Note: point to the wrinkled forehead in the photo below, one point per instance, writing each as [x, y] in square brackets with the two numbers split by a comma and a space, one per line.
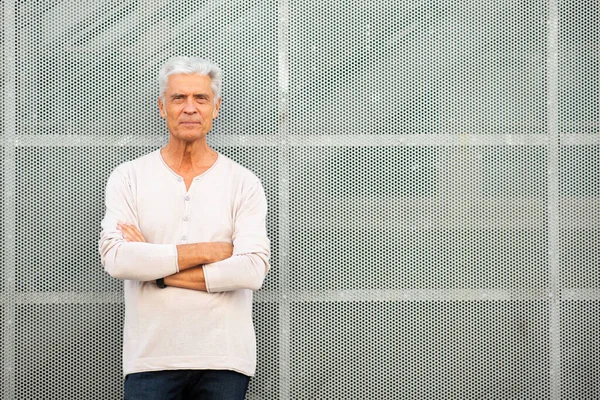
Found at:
[190, 83]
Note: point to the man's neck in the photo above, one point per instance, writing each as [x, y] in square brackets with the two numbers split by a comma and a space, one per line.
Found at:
[188, 159]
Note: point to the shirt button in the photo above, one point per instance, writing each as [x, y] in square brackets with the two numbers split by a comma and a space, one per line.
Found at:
[187, 198]
[183, 238]
[185, 218]
[180, 179]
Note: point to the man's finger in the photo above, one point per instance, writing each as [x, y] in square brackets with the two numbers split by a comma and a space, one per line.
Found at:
[134, 234]
[130, 233]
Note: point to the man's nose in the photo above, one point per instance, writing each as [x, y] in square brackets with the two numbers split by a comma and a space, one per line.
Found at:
[189, 106]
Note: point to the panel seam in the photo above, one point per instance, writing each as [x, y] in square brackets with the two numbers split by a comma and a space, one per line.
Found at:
[284, 217]
[553, 199]
[9, 126]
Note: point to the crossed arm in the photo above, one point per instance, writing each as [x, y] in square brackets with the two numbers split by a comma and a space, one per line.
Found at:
[190, 258]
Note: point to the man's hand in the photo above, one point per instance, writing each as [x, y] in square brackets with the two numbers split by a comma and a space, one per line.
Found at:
[130, 233]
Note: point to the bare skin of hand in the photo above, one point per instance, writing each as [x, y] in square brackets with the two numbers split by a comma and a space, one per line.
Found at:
[130, 233]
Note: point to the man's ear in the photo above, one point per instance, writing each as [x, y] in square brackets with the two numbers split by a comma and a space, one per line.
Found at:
[216, 110]
[161, 108]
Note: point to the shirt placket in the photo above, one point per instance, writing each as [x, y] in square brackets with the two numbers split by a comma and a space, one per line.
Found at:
[185, 231]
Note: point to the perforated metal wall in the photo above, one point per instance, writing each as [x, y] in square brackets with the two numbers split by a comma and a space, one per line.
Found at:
[432, 171]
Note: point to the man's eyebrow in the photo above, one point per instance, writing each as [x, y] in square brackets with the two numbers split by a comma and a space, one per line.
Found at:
[197, 95]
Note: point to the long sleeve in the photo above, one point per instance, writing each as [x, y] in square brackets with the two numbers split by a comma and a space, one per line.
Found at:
[248, 266]
[132, 261]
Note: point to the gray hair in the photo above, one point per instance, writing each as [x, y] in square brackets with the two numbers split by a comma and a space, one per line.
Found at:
[189, 66]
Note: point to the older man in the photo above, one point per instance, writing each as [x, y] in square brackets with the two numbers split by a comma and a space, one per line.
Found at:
[185, 229]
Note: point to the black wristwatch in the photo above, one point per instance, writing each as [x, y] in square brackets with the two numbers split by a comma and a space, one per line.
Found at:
[161, 283]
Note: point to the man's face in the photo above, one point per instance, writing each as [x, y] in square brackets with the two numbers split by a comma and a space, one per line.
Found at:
[189, 107]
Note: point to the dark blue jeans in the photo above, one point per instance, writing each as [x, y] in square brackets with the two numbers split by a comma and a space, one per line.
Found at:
[186, 385]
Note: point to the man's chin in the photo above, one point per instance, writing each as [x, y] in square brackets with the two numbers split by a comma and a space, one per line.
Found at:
[189, 136]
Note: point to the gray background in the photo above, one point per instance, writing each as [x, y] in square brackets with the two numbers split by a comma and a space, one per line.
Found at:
[431, 169]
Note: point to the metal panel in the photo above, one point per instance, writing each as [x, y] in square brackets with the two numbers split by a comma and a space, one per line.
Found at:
[423, 350]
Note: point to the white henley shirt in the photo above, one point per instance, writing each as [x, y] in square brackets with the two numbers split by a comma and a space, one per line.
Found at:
[175, 328]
